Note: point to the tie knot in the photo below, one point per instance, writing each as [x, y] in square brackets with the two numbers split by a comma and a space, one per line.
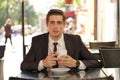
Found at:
[55, 43]
[55, 46]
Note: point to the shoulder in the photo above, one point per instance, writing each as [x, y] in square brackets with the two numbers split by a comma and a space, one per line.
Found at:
[41, 36]
[72, 36]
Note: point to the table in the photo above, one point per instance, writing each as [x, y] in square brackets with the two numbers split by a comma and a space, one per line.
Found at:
[96, 53]
[115, 72]
[93, 74]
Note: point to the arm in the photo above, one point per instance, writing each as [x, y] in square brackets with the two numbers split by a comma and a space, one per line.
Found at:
[31, 61]
[78, 51]
[87, 58]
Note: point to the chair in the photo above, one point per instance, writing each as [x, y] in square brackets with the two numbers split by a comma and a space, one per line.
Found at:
[97, 45]
[110, 57]
[2, 49]
[17, 78]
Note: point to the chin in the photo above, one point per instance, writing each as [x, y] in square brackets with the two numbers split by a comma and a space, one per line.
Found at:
[56, 35]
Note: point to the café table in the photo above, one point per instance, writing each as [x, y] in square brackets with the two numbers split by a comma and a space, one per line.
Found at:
[96, 53]
[91, 74]
[115, 72]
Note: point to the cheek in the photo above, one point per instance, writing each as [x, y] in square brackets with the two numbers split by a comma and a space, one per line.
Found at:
[62, 28]
[49, 28]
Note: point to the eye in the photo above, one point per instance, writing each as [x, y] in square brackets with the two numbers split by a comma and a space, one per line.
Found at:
[52, 22]
[59, 22]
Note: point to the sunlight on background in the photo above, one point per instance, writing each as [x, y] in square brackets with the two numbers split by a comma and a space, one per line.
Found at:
[42, 5]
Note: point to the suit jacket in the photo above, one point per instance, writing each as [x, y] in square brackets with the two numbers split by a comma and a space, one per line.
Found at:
[74, 45]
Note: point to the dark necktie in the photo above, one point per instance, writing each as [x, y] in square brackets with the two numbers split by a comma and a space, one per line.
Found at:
[55, 46]
[55, 50]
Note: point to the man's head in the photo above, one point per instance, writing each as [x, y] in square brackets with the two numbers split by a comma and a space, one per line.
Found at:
[55, 22]
[55, 12]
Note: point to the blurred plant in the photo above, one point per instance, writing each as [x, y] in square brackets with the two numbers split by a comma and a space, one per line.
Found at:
[77, 2]
[61, 4]
[12, 9]
[3, 14]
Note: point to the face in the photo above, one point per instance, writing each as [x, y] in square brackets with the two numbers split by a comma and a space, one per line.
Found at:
[55, 26]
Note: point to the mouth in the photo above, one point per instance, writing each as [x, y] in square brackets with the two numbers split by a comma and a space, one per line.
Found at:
[55, 32]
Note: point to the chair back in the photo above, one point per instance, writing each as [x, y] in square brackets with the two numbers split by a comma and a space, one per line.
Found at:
[17, 78]
[97, 45]
[2, 49]
[110, 57]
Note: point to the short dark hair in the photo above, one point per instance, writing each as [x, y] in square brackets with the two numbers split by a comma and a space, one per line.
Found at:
[55, 12]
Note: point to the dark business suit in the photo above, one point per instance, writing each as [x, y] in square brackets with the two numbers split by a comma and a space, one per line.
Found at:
[74, 46]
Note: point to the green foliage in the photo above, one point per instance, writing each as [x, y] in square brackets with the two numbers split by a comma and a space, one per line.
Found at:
[13, 11]
[61, 4]
[30, 15]
[77, 2]
[3, 14]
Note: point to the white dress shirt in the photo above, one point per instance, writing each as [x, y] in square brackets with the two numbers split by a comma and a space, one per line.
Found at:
[61, 50]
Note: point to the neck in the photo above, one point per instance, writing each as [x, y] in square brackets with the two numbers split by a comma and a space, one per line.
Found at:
[56, 38]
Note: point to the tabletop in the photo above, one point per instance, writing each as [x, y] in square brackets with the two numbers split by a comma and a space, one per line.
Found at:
[115, 72]
[93, 74]
[94, 51]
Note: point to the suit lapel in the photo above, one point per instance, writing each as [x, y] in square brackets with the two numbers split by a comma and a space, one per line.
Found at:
[45, 45]
[68, 44]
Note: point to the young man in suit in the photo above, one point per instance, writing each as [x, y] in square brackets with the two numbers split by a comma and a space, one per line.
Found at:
[71, 52]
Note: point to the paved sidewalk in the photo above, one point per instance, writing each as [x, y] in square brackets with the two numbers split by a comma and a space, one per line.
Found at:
[12, 57]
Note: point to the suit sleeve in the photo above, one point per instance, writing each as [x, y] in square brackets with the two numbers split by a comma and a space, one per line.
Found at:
[30, 62]
[87, 58]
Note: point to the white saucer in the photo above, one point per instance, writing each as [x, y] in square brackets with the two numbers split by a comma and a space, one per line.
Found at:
[59, 70]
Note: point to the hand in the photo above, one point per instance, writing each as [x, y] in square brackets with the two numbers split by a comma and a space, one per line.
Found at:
[50, 60]
[67, 60]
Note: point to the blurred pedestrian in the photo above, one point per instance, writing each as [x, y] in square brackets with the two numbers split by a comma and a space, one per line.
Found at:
[8, 31]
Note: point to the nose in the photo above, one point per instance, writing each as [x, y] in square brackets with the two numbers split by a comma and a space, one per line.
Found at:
[55, 25]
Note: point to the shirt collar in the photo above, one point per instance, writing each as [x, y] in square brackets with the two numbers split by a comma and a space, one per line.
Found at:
[60, 41]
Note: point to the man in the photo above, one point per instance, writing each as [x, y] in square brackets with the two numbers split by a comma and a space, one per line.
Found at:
[70, 53]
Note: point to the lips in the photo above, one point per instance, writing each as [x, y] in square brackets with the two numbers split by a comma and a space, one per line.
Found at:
[55, 31]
